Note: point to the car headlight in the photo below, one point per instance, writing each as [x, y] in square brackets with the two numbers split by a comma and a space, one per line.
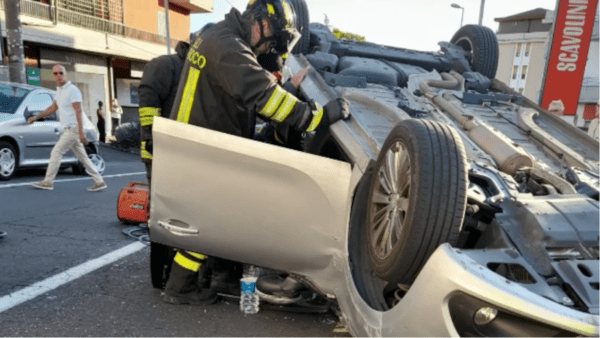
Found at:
[474, 317]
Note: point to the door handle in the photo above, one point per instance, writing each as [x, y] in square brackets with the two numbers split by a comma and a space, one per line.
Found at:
[56, 130]
[181, 229]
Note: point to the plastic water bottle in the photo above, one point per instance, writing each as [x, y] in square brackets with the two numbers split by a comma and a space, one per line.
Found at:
[249, 298]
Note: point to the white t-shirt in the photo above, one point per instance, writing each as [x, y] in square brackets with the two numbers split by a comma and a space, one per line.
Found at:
[65, 97]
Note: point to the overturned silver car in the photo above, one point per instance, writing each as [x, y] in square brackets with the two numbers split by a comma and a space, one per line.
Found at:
[447, 205]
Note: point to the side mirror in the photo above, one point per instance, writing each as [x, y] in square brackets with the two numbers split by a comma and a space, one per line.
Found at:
[27, 114]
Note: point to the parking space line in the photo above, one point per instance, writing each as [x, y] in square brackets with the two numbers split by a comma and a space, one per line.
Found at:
[70, 180]
[9, 301]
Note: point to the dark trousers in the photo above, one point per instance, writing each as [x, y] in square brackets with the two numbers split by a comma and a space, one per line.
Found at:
[102, 129]
[115, 124]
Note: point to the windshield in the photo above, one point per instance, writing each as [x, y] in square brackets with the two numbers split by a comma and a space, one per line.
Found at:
[11, 97]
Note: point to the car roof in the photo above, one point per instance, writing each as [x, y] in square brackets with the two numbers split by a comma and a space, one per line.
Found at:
[23, 86]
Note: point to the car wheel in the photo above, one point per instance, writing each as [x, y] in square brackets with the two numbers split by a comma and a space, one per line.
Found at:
[302, 25]
[482, 44]
[97, 161]
[417, 198]
[161, 257]
[8, 161]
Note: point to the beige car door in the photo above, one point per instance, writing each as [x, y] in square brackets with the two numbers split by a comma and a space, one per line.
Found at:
[248, 201]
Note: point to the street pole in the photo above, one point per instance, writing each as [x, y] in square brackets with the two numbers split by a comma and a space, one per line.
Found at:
[14, 42]
[481, 12]
[167, 23]
[462, 13]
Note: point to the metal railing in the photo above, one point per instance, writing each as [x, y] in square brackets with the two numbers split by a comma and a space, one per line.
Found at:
[89, 22]
[35, 9]
[74, 13]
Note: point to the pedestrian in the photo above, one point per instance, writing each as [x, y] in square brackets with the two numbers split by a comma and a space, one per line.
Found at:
[68, 105]
[224, 88]
[101, 123]
[115, 113]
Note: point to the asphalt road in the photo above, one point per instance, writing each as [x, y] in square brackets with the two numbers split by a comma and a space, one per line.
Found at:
[63, 271]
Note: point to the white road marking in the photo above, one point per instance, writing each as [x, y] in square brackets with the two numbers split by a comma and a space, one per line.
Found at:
[2, 186]
[49, 284]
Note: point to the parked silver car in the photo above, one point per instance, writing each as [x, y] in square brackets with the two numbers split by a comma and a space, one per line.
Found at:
[25, 146]
[446, 205]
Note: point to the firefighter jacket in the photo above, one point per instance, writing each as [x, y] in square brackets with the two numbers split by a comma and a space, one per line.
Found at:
[157, 92]
[223, 86]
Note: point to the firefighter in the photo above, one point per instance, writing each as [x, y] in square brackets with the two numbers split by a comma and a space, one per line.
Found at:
[223, 88]
[157, 92]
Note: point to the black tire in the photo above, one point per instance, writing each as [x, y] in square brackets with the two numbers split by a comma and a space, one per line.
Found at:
[425, 203]
[302, 25]
[482, 43]
[161, 257]
[78, 168]
[9, 161]
[128, 135]
[369, 286]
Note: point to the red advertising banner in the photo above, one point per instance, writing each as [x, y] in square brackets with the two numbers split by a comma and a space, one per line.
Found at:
[568, 55]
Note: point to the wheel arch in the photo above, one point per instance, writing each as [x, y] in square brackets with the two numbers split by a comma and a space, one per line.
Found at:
[13, 142]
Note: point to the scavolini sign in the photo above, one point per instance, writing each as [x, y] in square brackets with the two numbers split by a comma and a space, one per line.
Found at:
[573, 28]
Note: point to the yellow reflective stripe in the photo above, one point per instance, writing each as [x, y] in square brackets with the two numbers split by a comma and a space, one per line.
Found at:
[187, 100]
[274, 102]
[197, 255]
[317, 116]
[286, 108]
[277, 138]
[149, 111]
[146, 121]
[271, 9]
[144, 153]
[186, 263]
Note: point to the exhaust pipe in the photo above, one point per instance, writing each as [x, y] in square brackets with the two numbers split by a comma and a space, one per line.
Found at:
[509, 157]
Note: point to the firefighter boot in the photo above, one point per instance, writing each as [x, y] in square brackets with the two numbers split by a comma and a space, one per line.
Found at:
[225, 279]
[182, 288]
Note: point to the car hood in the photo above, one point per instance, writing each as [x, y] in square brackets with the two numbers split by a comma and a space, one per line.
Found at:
[4, 117]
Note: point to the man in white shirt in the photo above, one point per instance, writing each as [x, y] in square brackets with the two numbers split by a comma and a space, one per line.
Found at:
[68, 103]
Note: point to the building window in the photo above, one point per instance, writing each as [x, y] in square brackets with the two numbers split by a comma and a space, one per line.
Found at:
[524, 73]
[528, 49]
[518, 50]
[515, 71]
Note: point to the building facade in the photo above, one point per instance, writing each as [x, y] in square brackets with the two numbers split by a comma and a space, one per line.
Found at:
[103, 44]
[524, 44]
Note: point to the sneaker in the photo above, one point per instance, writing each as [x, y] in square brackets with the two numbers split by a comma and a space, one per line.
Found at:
[43, 185]
[97, 186]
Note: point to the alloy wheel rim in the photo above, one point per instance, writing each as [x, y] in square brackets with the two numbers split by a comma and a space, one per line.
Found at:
[98, 163]
[390, 200]
[7, 162]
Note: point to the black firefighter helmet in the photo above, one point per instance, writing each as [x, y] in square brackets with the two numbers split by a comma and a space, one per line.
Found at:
[282, 20]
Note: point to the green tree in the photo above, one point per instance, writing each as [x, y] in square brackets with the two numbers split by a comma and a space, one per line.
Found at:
[348, 36]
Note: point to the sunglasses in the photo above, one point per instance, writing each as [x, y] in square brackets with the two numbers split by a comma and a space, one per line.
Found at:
[56, 73]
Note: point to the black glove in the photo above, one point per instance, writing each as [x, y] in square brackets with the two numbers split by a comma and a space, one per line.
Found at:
[271, 62]
[337, 109]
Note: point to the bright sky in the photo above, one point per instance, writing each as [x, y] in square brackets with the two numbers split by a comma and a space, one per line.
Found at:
[412, 24]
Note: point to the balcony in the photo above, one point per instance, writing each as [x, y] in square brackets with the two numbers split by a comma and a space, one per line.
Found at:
[106, 17]
[195, 6]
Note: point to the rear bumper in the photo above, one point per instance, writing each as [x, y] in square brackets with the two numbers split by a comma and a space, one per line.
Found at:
[425, 310]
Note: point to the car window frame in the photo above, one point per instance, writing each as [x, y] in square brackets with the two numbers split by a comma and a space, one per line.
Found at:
[31, 97]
